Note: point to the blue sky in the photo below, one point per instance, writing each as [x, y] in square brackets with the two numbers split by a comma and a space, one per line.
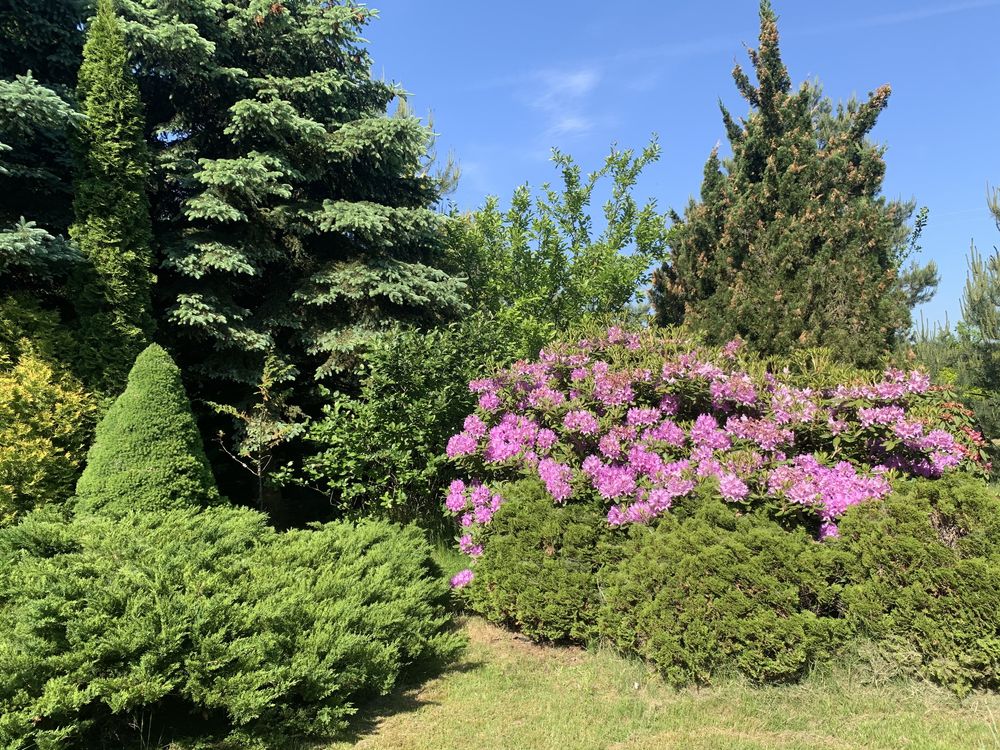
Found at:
[506, 82]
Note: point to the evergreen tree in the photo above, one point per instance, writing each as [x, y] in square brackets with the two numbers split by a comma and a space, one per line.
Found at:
[44, 38]
[791, 244]
[112, 229]
[981, 298]
[40, 47]
[148, 454]
[35, 123]
[39, 55]
[294, 216]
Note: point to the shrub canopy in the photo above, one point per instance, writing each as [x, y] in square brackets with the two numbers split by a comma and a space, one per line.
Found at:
[719, 591]
[924, 574]
[639, 420]
[148, 453]
[205, 626]
[46, 420]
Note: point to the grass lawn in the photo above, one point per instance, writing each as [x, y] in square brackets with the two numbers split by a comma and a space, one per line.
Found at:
[508, 694]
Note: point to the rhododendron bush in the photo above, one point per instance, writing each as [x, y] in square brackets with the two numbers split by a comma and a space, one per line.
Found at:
[641, 419]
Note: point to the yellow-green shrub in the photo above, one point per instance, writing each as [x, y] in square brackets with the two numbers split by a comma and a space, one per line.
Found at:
[46, 419]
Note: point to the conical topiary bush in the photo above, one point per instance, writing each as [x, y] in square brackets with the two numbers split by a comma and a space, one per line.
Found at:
[147, 454]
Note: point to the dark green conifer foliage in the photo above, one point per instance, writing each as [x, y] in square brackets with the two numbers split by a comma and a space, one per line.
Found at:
[791, 244]
[40, 47]
[40, 44]
[148, 453]
[42, 37]
[294, 215]
[112, 291]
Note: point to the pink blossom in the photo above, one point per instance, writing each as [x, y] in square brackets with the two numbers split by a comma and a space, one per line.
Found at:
[581, 421]
[557, 478]
[456, 501]
[461, 444]
[732, 487]
[489, 402]
[467, 547]
[462, 578]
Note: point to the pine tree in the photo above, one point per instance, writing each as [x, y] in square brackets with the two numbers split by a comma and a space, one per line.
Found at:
[148, 454]
[791, 244]
[113, 231]
[981, 298]
[294, 215]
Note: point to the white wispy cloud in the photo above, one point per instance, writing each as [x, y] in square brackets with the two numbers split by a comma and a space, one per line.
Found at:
[563, 98]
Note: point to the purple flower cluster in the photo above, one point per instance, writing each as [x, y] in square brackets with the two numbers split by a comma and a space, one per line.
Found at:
[474, 504]
[831, 490]
[462, 578]
[641, 421]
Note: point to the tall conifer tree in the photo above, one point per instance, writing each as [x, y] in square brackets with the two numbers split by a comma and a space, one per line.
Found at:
[791, 243]
[112, 229]
[294, 216]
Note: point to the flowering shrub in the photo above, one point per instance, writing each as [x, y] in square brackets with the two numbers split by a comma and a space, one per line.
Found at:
[640, 420]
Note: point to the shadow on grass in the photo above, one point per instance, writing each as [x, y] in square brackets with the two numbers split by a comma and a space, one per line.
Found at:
[405, 698]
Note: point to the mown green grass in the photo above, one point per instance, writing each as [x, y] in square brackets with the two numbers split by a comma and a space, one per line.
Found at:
[508, 694]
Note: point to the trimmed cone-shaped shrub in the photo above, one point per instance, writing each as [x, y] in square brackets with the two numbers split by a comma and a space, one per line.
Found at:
[148, 453]
[206, 628]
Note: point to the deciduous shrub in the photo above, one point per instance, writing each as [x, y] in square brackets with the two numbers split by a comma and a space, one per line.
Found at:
[383, 451]
[148, 453]
[727, 475]
[722, 592]
[638, 421]
[539, 568]
[46, 419]
[923, 571]
[205, 627]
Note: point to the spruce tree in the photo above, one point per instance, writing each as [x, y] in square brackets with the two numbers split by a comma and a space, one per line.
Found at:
[148, 454]
[791, 244]
[40, 47]
[294, 215]
[112, 291]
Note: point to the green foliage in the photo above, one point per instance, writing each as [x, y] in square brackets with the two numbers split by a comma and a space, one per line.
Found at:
[46, 420]
[265, 427]
[924, 579]
[25, 326]
[205, 628]
[44, 38]
[540, 565]
[968, 358]
[35, 165]
[981, 298]
[790, 244]
[148, 453]
[717, 592]
[40, 46]
[542, 262]
[295, 216]
[382, 452]
[112, 228]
